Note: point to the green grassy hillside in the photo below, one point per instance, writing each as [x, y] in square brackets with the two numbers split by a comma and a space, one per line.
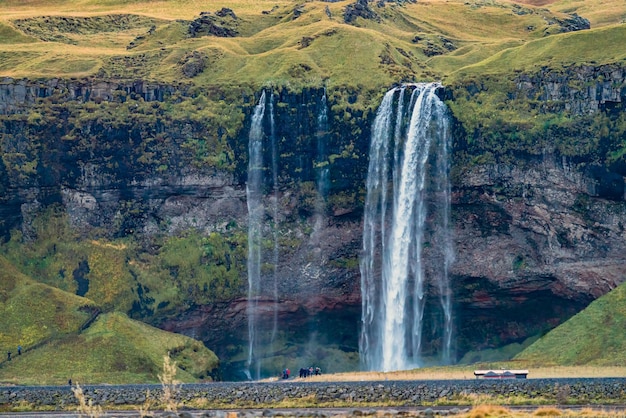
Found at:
[293, 44]
[568, 49]
[48, 323]
[592, 337]
[114, 349]
[33, 313]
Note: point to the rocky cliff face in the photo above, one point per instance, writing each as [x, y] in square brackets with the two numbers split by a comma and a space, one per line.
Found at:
[578, 89]
[535, 243]
[536, 240]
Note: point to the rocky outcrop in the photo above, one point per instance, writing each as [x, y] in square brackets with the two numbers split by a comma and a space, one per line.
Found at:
[193, 64]
[222, 25]
[359, 9]
[573, 23]
[19, 96]
[540, 238]
[577, 89]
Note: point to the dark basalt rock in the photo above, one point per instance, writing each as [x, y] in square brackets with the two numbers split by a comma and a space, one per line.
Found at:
[225, 11]
[574, 23]
[207, 24]
[193, 64]
[580, 90]
[359, 9]
[298, 11]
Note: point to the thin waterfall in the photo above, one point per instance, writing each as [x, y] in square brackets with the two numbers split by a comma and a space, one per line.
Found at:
[275, 221]
[396, 220]
[254, 195]
[321, 170]
[322, 144]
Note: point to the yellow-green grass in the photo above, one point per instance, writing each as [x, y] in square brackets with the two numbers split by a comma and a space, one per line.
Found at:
[275, 48]
[471, 54]
[118, 270]
[174, 9]
[115, 349]
[599, 46]
[9, 35]
[32, 312]
[54, 259]
[593, 337]
[599, 13]
[489, 23]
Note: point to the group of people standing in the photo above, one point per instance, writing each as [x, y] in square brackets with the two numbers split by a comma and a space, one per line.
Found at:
[304, 372]
[311, 371]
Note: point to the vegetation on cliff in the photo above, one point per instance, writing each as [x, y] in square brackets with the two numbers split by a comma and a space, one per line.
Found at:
[121, 275]
[216, 60]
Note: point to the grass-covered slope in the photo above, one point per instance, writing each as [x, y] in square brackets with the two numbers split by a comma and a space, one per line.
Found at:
[114, 349]
[592, 337]
[59, 341]
[33, 313]
[118, 275]
[591, 47]
[290, 43]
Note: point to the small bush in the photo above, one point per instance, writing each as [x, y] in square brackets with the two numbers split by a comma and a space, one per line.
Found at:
[547, 411]
[484, 411]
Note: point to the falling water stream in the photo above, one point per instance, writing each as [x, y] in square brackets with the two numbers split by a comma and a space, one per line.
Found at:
[275, 221]
[321, 169]
[407, 177]
[260, 287]
[407, 247]
[254, 194]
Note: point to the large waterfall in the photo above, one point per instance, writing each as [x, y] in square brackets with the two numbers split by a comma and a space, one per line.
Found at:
[407, 247]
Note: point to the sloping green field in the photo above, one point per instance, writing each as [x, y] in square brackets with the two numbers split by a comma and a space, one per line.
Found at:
[59, 342]
[293, 44]
[593, 337]
[115, 350]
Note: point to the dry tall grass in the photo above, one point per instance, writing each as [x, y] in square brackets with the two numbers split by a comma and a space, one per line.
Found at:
[86, 406]
[485, 411]
[169, 384]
